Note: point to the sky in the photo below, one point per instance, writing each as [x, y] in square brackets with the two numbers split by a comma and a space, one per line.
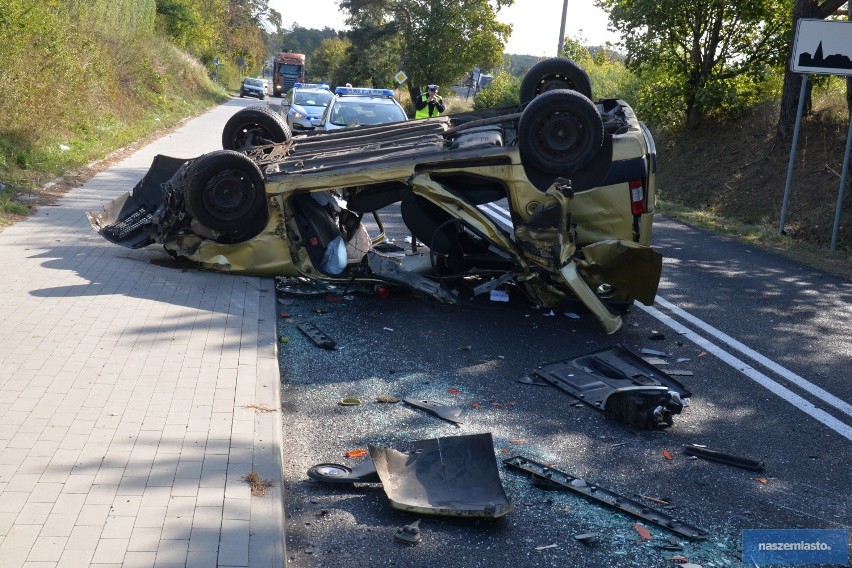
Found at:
[535, 23]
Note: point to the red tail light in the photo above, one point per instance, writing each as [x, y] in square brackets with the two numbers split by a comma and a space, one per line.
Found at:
[637, 197]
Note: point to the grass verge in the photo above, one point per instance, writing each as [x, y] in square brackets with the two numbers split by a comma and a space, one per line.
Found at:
[764, 236]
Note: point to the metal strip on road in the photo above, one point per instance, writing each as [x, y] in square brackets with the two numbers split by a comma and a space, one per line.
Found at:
[799, 381]
[802, 404]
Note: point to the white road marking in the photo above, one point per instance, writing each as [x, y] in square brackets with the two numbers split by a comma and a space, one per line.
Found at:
[802, 404]
[818, 392]
[498, 212]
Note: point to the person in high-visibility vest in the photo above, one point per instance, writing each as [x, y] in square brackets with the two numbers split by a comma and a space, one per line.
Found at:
[429, 104]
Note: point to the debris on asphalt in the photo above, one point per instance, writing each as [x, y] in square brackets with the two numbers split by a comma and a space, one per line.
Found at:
[453, 476]
[547, 546]
[386, 398]
[762, 480]
[528, 380]
[409, 534]
[587, 538]
[317, 336]
[721, 457]
[350, 401]
[667, 455]
[604, 496]
[679, 373]
[656, 335]
[452, 390]
[619, 383]
[337, 474]
[672, 545]
[351, 454]
[448, 413]
[643, 533]
[652, 499]
[654, 352]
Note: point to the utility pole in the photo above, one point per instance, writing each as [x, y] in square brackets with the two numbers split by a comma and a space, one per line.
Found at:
[562, 28]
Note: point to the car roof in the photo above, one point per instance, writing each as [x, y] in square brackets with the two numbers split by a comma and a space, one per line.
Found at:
[365, 98]
[322, 87]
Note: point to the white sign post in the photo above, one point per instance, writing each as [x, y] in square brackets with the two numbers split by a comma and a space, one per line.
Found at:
[821, 47]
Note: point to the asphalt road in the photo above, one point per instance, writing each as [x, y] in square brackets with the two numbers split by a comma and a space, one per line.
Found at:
[766, 338]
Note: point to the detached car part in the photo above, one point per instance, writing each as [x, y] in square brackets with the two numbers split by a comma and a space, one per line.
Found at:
[620, 384]
[317, 336]
[604, 496]
[455, 476]
[720, 457]
[448, 413]
[337, 474]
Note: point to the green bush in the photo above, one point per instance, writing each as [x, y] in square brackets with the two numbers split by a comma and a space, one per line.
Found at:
[503, 92]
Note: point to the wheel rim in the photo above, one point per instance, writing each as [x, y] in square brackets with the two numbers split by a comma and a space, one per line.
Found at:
[332, 471]
[228, 195]
[552, 82]
[250, 136]
[557, 134]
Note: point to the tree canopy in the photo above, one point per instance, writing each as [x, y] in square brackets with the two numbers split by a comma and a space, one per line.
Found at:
[700, 48]
[433, 41]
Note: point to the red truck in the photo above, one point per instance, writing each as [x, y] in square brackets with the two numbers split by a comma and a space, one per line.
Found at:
[287, 69]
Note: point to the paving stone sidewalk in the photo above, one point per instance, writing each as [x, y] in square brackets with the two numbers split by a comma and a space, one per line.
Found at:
[126, 393]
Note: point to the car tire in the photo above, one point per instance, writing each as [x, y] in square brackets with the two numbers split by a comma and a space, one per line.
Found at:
[554, 73]
[242, 95]
[225, 191]
[254, 126]
[559, 132]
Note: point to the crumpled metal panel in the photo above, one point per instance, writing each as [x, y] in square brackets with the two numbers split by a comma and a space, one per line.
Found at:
[455, 476]
[632, 270]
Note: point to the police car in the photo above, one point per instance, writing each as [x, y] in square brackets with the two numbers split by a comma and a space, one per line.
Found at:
[356, 106]
[304, 104]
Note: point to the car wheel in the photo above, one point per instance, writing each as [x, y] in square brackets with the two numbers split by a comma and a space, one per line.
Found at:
[224, 191]
[242, 95]
[254, 126]
[554, 73]
[559, 132]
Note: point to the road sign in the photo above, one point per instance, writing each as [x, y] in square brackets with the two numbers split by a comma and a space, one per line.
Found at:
[830, 45]
[822, 47]
[400, 77]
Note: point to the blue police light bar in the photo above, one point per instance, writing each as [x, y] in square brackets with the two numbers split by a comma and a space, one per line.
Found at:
[361, 91]
[312, 86]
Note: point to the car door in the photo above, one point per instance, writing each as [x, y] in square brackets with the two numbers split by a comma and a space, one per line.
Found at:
[286, 104]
